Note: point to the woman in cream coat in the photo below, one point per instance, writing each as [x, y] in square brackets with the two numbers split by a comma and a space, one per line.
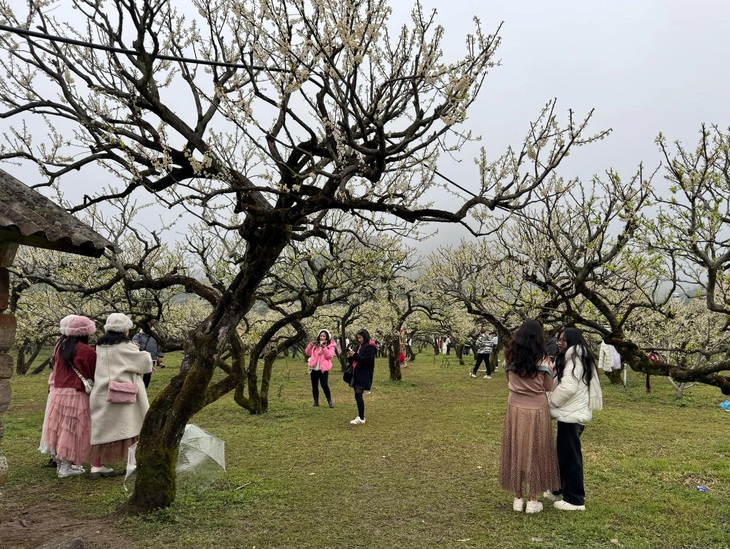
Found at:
[576, 394]
[116, 426]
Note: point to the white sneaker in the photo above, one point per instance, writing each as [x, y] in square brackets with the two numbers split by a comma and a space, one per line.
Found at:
[518, 504]
[533, 507]
[552, 497]
[487, 377]
[472, 374]
[65, 470]
[565, 506]
[102, 471]
[357, 421]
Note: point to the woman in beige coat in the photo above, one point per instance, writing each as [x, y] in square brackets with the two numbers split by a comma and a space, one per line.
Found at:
[116, 426]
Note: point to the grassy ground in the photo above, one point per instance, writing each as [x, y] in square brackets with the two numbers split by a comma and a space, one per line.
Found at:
[421, 473]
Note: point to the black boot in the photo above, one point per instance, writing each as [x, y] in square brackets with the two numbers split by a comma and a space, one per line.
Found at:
[316, 403]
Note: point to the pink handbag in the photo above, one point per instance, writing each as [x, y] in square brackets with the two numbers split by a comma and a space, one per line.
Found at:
[122, 392]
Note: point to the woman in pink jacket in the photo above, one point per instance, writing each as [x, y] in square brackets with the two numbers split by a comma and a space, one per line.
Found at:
[320, 355]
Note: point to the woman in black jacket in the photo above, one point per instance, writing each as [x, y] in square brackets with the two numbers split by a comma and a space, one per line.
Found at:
[363, 364]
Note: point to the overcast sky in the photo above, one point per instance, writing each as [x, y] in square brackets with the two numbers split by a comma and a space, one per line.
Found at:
[646, 66]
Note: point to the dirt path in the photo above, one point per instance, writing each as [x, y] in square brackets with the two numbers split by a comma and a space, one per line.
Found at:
[49, 525]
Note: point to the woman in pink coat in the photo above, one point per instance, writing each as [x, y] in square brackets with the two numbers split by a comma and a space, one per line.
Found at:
[320, 355]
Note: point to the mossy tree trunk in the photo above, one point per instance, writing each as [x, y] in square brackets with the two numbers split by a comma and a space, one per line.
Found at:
[614, 376]
[257, 399]
[393, 346]
[459, 352]
[188, 392]
[27, 354]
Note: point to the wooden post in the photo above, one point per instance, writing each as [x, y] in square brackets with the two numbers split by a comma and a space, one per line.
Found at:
[8, 326]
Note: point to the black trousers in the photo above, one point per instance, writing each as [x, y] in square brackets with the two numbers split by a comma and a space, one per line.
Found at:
[360, 401]
[570, 461]
[485, 358]
[320, 377]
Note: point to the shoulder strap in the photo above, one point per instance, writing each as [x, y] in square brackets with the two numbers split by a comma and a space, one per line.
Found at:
[83, 379]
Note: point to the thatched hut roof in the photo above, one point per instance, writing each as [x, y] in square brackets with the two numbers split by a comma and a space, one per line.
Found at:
[29, 218]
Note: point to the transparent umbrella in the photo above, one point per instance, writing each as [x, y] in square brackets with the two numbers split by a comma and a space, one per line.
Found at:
[200, 460]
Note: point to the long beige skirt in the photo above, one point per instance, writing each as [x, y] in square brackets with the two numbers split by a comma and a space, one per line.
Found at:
[112, 452]
[529, 464]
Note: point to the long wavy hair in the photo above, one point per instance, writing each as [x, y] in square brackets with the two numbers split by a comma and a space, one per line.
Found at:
[526, 349]
[574, 338]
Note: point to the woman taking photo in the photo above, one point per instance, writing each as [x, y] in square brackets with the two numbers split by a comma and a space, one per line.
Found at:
[115, 425]
[320, 355]
[576, 394]
[529, 463]
[363, 363]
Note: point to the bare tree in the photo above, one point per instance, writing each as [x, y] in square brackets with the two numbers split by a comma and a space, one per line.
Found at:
[691, 229]
[47, 286]
[593, 255]
[302, 108]
[484, 276]
[310, 276]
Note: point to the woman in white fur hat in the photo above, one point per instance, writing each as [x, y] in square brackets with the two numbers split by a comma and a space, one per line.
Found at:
[320, 353]
[115, 426]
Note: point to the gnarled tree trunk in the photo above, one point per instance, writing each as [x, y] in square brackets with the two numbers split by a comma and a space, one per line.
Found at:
[186, 394]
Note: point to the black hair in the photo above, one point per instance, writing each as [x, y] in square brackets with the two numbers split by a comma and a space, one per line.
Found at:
[526, 349]
[68, 348]
[365, 336]
[551, 346]
[574, 338]
[112, 338]
[326, 332]
[57, 347]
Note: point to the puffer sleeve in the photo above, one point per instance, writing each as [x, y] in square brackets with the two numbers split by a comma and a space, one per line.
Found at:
[568, 385]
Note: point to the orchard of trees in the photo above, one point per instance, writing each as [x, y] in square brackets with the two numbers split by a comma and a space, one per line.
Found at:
[262, 165]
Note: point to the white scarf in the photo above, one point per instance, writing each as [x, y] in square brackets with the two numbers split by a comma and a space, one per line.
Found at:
[595, 395]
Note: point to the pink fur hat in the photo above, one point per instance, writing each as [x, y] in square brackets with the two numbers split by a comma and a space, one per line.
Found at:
[64, 323]
[80, 326]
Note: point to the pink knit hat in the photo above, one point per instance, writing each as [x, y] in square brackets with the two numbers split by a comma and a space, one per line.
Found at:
[80, 326]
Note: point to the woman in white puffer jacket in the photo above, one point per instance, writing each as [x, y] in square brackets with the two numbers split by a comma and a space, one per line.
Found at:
[576, 394]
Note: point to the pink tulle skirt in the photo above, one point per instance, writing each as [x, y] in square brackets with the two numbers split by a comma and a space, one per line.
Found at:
[67, 429]
[43, 446]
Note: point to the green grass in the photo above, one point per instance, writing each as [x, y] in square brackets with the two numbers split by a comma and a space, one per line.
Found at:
[421, 473]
